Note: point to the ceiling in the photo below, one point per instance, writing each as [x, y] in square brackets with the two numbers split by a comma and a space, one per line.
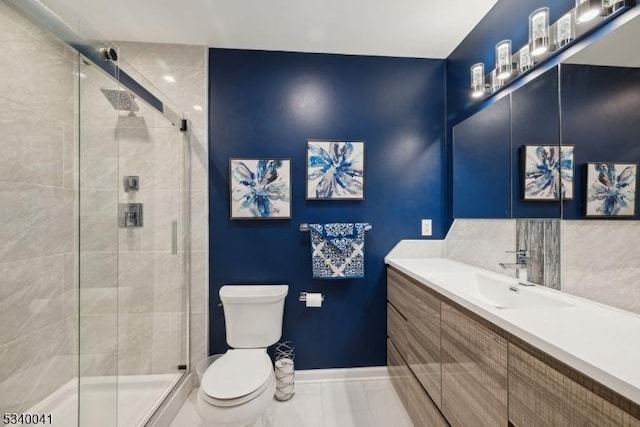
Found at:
[412, 28]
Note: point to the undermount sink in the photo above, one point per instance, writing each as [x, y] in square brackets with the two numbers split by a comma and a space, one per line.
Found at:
[503, 294]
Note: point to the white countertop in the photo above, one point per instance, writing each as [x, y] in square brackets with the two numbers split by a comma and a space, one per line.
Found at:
[600, 341]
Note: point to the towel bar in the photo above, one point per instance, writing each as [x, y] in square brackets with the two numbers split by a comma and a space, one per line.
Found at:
[305, 227]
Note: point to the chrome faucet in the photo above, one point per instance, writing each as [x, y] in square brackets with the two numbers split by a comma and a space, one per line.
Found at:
[520, 266]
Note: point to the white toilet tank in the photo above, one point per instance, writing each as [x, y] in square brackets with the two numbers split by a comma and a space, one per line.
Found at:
[253, 314]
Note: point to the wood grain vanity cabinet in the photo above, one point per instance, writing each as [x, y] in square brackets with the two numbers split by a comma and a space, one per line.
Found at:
[413, 348]
[543, 396]
[423, 340]
[452, 367]
[474, 371]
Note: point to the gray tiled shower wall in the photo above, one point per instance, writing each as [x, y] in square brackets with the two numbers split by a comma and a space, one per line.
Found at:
[39, 295]
[38, 199]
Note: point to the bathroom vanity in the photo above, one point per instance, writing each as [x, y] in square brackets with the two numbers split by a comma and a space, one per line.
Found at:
[470, 347]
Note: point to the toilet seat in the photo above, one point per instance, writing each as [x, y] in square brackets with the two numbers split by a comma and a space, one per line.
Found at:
[237, 377]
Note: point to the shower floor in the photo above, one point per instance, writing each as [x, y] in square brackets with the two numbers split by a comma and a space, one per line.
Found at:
[128, 400]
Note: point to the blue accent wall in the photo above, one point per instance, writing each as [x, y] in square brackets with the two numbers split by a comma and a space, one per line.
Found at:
[268, 104]
[601, 117]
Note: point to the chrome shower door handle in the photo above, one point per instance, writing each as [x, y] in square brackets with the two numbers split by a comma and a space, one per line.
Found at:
[174, 237]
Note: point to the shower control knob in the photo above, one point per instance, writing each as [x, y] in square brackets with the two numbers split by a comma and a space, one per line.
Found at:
[109, 54]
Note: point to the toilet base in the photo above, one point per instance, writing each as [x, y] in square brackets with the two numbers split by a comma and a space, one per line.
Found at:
[243, 415]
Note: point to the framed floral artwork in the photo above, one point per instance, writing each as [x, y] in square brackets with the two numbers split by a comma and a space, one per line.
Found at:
[335, 170]
[260, 188]
[547, 172]
[610, 189]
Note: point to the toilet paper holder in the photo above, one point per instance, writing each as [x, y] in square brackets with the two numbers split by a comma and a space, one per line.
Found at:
[303, 297]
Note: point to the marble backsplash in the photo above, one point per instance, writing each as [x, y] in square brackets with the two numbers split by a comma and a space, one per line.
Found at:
[485, 243]
[482, 242]
[601, 262]
[596, 260]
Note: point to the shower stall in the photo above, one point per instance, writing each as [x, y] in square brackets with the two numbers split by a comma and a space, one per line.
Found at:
[95, 230]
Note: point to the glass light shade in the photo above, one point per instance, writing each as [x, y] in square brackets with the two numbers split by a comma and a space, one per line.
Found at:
[477, 80]
[496, 83]
[565, 30]
[539, 31]
[586, 10]
[525, 59]
[611, 6]
[503, 59]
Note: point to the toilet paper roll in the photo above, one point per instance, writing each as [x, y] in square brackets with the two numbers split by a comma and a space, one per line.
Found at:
[285, 390]
[314, 300]
[284, 367]
[285, 364]
[284, 395]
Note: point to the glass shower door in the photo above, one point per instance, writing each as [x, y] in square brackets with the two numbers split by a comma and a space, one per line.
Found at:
[133, 254]
[152, 261]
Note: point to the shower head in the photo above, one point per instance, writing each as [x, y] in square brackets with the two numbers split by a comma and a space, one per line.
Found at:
[120, 99]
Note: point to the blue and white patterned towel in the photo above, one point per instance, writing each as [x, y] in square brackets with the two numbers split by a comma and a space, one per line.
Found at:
[337, 250]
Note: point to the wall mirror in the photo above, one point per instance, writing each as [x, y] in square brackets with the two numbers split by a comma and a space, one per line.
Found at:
[586, 238]
[504, 155]
[600, 116]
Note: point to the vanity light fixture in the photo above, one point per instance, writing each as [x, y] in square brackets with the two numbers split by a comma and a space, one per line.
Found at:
[586, 10]
[539, 31]
[477, 80]
[565, 30]
[503, 60]
[544, 39]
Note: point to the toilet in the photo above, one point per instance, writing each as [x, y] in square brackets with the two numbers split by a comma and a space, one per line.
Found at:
[238, 387]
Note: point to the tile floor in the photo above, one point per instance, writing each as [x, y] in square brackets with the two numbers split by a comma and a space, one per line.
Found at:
[351, 403]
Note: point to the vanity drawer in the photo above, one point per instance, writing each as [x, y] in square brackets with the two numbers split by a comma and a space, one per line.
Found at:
[397, 329]
[541, 396]
[398, 371]
[421, 409]
[420, 346]
[474, 371]
[423, 358]
[396, 291]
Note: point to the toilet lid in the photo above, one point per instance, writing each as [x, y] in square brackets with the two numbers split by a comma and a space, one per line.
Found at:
[237, 373]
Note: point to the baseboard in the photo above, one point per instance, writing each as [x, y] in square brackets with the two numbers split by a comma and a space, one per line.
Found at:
[170, 407]
[345, 374]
